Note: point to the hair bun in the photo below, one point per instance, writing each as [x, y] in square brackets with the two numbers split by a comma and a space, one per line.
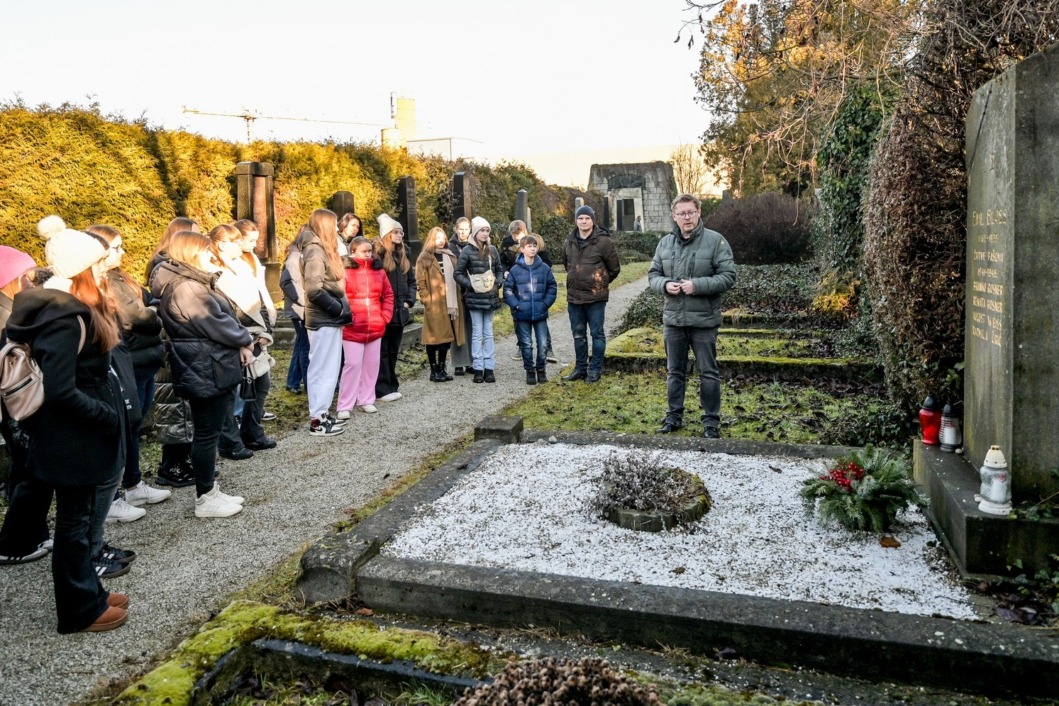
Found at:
[50, 226]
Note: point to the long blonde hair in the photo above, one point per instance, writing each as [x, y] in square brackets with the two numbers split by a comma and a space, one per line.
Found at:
[393, 256]
[325, 224]
[175, 226]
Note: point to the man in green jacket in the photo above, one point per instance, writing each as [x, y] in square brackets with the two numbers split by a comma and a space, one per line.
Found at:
[693, 268]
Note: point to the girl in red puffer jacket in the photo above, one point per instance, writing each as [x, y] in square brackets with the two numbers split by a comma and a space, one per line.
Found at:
[371, 301]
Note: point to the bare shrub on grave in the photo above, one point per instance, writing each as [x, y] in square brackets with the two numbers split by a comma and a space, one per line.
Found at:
[641, 481]
[589, 680]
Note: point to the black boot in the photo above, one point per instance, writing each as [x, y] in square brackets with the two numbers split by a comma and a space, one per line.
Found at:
[443, 374]
[531, 377]
[435, 375]
[479, 376]
[489, 377]
[541, 375]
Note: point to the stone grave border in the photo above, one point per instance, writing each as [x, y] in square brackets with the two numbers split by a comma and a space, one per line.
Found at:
[986, 658]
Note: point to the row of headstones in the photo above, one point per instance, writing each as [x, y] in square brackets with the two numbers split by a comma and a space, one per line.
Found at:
[254, 201]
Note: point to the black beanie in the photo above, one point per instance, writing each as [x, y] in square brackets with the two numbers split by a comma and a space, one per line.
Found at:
[585, 211]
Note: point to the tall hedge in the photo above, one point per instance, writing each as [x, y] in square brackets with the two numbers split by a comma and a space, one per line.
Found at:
[915, 213]
[90, 168]
[84, 167]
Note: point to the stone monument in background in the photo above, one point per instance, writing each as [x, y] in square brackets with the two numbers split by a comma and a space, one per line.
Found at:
[254, 202]
[1011, 374]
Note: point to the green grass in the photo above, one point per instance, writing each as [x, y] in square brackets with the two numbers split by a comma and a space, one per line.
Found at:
[650, 342]
[751, 409]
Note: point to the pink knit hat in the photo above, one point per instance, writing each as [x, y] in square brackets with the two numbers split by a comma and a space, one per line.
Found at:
[13, 264]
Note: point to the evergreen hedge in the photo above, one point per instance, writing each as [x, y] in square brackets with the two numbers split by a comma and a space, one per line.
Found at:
[90, 168]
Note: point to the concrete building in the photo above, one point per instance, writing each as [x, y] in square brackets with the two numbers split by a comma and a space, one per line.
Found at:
[643, 189]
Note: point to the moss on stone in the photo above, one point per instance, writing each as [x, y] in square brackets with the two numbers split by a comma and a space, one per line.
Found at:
[242, 622]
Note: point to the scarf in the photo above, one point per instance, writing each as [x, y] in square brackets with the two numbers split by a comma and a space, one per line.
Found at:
[448, 266]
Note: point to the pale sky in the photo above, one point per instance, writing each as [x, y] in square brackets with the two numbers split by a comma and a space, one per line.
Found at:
[514, 80]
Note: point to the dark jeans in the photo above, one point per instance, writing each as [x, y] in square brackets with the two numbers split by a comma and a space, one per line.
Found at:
[584, 318]
[391, 346]
[524, 332]
[299, 359]
[230, 438]
[26, 522]
[79, 596]
[106, 494]
[208, 415]
[145, 394]
[703, 341]
[145, 387]
[251, 430]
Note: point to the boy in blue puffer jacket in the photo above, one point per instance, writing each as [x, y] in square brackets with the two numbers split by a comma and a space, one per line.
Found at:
[530, 290]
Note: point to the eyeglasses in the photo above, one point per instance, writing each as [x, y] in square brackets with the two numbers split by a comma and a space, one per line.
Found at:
[685, 214]
[117, 248]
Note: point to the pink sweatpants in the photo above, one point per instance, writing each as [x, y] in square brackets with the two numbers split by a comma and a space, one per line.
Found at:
[360, 369]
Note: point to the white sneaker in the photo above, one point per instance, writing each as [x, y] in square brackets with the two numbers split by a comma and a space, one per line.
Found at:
[343, 414]
[143, 494]
[369, 408]
[237, 499]
[392, 397]
[121, 511]
[212, 504]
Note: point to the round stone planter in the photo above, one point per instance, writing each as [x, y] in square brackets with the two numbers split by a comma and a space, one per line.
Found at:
[650, 521]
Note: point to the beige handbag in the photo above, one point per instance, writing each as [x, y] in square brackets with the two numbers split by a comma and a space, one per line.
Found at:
[485, 282]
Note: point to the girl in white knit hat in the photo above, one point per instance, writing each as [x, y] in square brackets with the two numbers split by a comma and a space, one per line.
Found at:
[76, 443]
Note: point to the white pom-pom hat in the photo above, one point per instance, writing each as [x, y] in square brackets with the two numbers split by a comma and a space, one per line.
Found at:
[69, 252]
[388, 225]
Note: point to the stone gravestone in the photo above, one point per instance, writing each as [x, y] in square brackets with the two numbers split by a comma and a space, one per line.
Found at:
[342, 203]
[1011, 376]
[254, 202]
[408, 215]
[522, 209]
[461, 196]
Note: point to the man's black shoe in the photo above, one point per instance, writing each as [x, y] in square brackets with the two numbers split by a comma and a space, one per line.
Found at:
[670, 426]
[240, 454]
[593, 377]
[576, 375]
[266, 443]
[712, 433]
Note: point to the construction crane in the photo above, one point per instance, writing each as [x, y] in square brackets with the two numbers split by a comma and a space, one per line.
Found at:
[250, 117]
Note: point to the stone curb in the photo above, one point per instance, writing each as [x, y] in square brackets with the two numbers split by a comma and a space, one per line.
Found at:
[329, 567]
[994, 659]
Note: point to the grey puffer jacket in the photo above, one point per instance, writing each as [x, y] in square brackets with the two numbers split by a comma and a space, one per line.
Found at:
[706, 259]
[469, 264]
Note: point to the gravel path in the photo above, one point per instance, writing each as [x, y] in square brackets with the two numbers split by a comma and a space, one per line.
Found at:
[188, 567]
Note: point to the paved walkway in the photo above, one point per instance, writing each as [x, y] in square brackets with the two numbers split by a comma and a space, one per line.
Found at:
[188, 567]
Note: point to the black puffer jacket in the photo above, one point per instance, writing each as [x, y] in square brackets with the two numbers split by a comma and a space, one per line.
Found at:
[204, 335]
[325, 291]
[404, 289]
[141, 328]
[471, 264]
[77, 436]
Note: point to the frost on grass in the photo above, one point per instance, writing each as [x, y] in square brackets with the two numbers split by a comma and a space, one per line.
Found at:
[529, 507]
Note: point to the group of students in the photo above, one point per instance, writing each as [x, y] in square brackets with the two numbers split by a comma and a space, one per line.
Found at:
[97, 336]
[193, 348]
[350, 298]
